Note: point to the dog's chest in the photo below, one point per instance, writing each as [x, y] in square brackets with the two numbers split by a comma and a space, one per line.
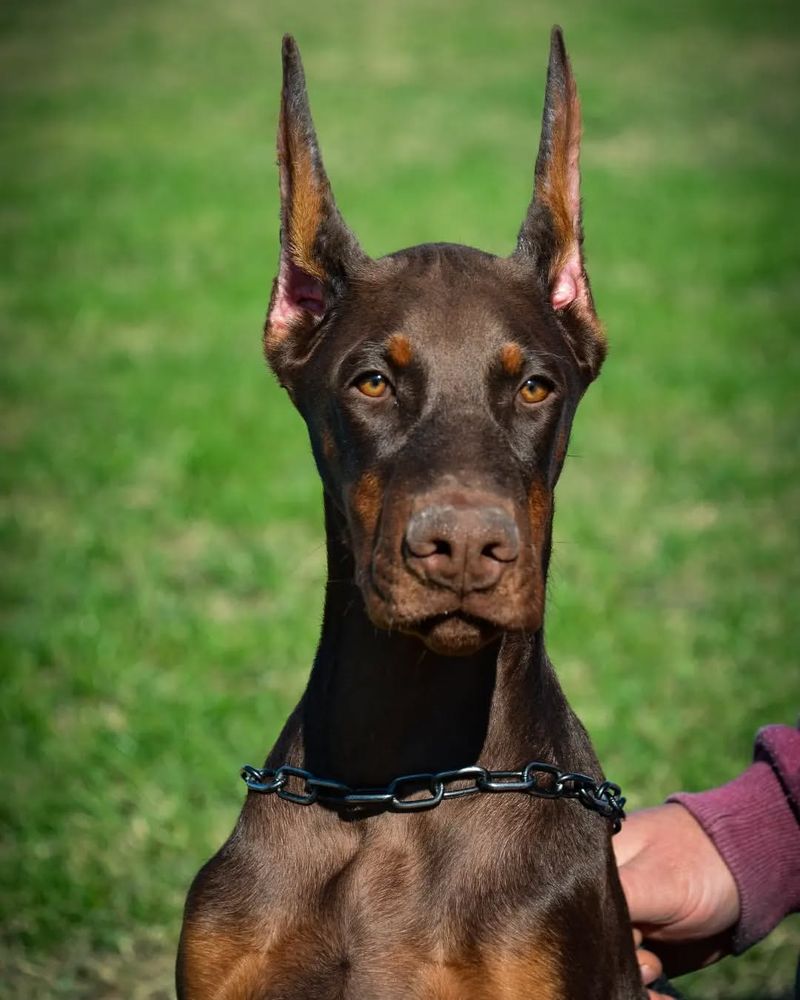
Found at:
[406, 909]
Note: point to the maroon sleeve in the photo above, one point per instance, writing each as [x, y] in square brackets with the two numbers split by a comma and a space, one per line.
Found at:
[754, 822]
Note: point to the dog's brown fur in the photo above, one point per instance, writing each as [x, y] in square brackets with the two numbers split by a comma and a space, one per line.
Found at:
[439, 503]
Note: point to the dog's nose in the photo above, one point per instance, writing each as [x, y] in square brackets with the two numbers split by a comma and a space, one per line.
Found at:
[462, 548]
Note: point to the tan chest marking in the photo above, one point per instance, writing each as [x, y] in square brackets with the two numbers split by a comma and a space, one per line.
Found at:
[220, 967]
[530, 973]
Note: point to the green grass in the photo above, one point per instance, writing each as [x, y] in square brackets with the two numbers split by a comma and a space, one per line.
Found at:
[160, 518]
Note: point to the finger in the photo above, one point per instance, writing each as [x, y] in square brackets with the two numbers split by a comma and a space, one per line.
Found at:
[646, 906]
[638, 937]
[649, 965]
[626, 844]
[686, 956]
[657, 996]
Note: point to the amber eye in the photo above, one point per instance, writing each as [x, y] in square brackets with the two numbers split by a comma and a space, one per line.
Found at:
[373, 385]
[534, 391]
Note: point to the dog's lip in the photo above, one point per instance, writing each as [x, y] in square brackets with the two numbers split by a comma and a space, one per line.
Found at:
[431, 621]
[456, 634]
[426, 624]
[449, 605]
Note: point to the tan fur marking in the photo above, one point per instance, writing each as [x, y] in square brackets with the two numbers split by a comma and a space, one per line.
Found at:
[535, 974]
[305, 207]
[495, 975]
[221, 966]
[539, 507]
[560, 191]
[511, 358]
[450, 979]
[367, 499]
[400, 350]
[241, 964]
[455, 982]
[328, 445]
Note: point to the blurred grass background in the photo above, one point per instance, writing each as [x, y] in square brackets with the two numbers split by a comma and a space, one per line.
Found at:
[161, 527]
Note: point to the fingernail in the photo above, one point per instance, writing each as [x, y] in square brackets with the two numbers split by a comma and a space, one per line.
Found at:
[648, 973]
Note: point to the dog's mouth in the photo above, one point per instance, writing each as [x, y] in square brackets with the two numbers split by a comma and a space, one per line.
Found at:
[455, 634]
[449, 630]
[447, 623]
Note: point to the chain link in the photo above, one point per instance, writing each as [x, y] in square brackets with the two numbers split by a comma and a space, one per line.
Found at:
[544, 781]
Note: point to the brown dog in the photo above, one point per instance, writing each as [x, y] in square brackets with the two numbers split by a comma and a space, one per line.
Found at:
[439, 386]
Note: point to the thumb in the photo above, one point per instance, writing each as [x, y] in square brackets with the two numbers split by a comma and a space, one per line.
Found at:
[649, 903]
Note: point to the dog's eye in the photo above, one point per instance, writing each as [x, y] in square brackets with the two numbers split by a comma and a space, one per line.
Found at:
[534, 391]
[373, 384]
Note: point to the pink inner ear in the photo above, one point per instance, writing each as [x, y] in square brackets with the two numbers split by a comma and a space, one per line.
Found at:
[567, 283]
[298, 295]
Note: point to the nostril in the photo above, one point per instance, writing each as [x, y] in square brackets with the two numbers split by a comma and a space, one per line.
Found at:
[424, 548]
[427, 534]
[441, 547]
[499, 551]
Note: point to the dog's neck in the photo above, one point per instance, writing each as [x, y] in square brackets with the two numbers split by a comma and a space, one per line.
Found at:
[380, 704]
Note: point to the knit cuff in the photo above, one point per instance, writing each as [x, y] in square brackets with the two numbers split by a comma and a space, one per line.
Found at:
[752, 825]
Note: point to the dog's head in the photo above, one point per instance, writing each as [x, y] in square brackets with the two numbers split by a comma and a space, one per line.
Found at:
[438, 384]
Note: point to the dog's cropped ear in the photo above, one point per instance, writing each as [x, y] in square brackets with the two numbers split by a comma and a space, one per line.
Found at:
[318, 251]
[552, 233]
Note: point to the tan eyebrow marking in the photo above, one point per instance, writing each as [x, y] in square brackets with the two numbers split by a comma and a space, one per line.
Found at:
[400, 350]
[511, 358]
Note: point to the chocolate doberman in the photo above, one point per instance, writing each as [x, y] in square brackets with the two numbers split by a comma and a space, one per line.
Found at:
[439, 385]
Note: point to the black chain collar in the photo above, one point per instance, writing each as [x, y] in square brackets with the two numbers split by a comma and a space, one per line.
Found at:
[545, 781]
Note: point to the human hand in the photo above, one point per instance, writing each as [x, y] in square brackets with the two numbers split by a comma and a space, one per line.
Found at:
[681, 895]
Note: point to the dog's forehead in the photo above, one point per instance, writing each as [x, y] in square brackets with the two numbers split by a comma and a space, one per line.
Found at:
[447, 300]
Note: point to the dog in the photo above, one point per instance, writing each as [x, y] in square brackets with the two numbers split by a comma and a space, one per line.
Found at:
[432, 822]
